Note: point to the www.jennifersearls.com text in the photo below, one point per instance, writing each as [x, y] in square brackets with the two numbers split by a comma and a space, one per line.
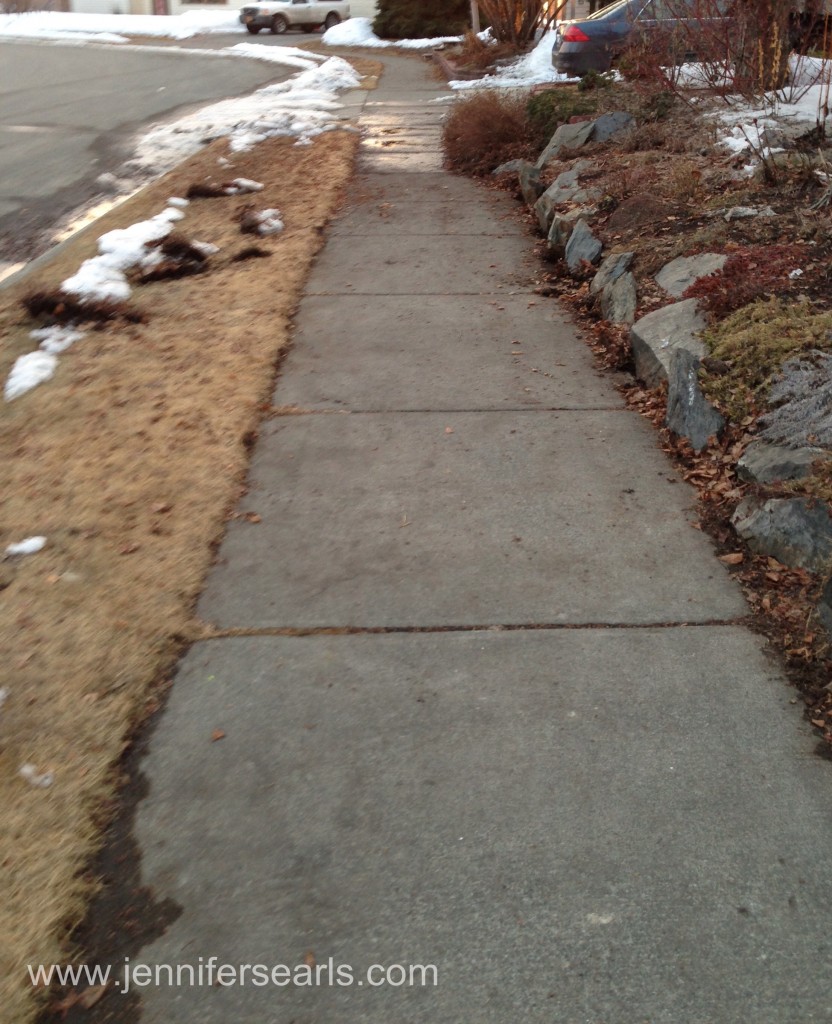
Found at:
[209, 972]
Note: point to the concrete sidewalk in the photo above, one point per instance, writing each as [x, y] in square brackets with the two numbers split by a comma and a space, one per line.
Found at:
[494, 708]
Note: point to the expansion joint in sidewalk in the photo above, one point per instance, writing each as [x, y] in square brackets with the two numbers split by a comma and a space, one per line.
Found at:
[518, 627]
[293, 410]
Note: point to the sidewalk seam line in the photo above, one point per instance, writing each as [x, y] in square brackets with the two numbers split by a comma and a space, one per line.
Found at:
[529, 627]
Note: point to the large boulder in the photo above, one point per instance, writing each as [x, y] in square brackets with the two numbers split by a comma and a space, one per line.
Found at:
[763, 463]
[678, 275]
[619, 300]
[802, 394]
[563, 224]
[656, 336]
[582, 247]
[607, 125]
[795, 531]
[612, 267]
[689, 413]
[566, 188]
[568, 137]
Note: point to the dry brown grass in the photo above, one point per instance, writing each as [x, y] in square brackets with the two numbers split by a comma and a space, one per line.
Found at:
[129, 461]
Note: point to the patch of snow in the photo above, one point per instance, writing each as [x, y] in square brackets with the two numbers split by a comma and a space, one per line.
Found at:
[794, 274]
[534, 68]
[40, 780]
[28, 371]
[102, 278]
[206, 248]
[29, 546]
[291, 56]
[4, 695]
[268, 222]
[240, 186]
[114, 27]
[55, 340]
[178, 202]
[303, 106]
[359, 32]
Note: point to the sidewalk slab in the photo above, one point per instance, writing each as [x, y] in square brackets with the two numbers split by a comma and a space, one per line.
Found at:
[526, 811]
[388, 214]
[427, 187]
[449, 519]
[451, 353]
[393, 163]
[441, 265]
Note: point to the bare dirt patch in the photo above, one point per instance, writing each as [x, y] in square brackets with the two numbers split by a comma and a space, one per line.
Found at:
[129, 461]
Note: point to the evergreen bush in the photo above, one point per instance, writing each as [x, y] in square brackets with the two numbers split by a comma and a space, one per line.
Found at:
[420, 19]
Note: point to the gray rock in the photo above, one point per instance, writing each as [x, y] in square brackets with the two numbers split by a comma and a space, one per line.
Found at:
[744, 212]
[803, 394]
[563, 224]
[656, 336]
[611, 124]
[566, 188]
[612, 267]
[567, 137]
[528, 178]
[689, 413]
[785, 134]
[763, 463]
[678, 275]
[619, 300]
[582, 246]
[509, 167]
[792, 530]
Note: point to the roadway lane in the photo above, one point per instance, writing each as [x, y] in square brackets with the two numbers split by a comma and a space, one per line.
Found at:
[70, 113]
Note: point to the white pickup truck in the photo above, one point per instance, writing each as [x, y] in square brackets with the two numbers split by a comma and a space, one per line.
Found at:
[280, 15]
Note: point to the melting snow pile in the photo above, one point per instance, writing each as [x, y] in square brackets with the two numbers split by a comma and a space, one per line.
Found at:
[359, 32]
[800, 103]
[99, 279]
[535, 68]
[302, 107]
[29, 371]
[262, 222]
[102, 278]
[114, 27]
[35, 367]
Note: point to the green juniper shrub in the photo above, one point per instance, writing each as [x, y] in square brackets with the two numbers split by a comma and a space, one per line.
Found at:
[419, 19]
[548, 110]
[596, 80]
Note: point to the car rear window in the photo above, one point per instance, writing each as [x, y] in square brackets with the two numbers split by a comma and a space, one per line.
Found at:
[616, 11]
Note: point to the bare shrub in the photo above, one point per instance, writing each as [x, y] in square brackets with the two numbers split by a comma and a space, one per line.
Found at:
[517, 21]
[486, 129]
[477, 54]
[739, 46]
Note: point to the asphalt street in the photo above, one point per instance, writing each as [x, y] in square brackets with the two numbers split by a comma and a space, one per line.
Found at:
[70, 113]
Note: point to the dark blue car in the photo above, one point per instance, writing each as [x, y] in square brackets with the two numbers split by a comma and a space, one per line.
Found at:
[594, 43]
